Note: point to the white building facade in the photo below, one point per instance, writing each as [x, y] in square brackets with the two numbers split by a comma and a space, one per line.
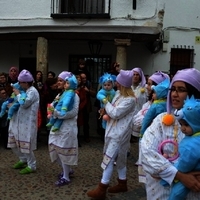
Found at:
[151, 34]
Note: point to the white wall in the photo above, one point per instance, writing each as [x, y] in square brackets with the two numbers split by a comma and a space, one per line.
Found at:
[35, 15]
[24, 9]
[182, 13]
[182, 20]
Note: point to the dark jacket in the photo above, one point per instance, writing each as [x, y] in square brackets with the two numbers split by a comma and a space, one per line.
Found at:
[3, 120]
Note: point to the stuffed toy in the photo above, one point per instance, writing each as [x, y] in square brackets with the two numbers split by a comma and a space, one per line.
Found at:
[50, 110]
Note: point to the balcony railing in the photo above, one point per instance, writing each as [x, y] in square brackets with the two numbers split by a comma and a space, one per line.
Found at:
[80, 8]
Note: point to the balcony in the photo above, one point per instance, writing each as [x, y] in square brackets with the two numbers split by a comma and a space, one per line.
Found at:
[80, 9]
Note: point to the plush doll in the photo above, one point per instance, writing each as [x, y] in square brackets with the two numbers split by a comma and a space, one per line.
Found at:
[64, 104]
[106, 93]
[14, 101]
[50, 110]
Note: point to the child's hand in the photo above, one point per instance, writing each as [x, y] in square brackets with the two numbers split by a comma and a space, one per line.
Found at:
[165, 155]
[9, 105]
[105, 100]
[50, 108]
[101, 112]
[49, 116]
[56, 113]
[86, 89]
[16, 91]
[106, 117]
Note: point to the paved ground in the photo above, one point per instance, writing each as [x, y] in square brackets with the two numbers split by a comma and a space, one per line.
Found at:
[40, 185]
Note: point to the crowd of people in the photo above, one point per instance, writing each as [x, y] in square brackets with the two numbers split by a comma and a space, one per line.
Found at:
[162, 113]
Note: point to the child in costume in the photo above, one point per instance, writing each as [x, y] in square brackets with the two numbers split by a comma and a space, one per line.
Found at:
[158, 106]
[64, 105]
[16, 101]
[106, 93]
[188, 160]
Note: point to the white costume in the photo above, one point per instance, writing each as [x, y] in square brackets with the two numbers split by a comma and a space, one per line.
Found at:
[64, 143]
[136, 126]
[138, 117]
[118, 131]
[23, 125]
[141, 96]
[155, 164]
[22, 136]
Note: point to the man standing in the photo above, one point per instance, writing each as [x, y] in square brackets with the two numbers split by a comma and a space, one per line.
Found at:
[3, 120]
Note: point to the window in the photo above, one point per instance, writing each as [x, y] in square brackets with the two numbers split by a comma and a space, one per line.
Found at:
[181, 59]
[80, 8]
[96, 66]
[134, 4]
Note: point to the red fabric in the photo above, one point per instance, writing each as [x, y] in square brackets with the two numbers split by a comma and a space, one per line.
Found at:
[39, 119]
[83, 102]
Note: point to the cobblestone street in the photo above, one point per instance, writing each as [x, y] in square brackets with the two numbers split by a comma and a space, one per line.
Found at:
[40, 185]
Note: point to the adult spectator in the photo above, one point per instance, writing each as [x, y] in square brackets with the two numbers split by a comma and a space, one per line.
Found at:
[90, 92]
[3, 120]
[4, 83]
[51, 90]
[82, 68]
[13, 75]
[51, 74]
[82, 105]
[114, 69]
[49, 95]
[39, 85]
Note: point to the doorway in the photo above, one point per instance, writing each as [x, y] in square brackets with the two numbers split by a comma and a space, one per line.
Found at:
[29, 64]
[95, 65]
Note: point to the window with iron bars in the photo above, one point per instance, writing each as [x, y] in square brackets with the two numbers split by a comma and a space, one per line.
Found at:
[95, 65]
[80, 8]
[181, 59]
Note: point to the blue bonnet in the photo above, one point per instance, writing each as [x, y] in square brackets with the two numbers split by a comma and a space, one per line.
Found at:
[72, 81]
[107, 77]
[162, 89]
[190, 113]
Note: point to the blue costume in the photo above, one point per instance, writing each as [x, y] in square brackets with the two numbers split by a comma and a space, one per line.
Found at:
[16, 102]
[189, 159]
[158, 106]
[106, 94]
[64, 104]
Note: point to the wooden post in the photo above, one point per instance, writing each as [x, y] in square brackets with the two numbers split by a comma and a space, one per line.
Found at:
[42, 56]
